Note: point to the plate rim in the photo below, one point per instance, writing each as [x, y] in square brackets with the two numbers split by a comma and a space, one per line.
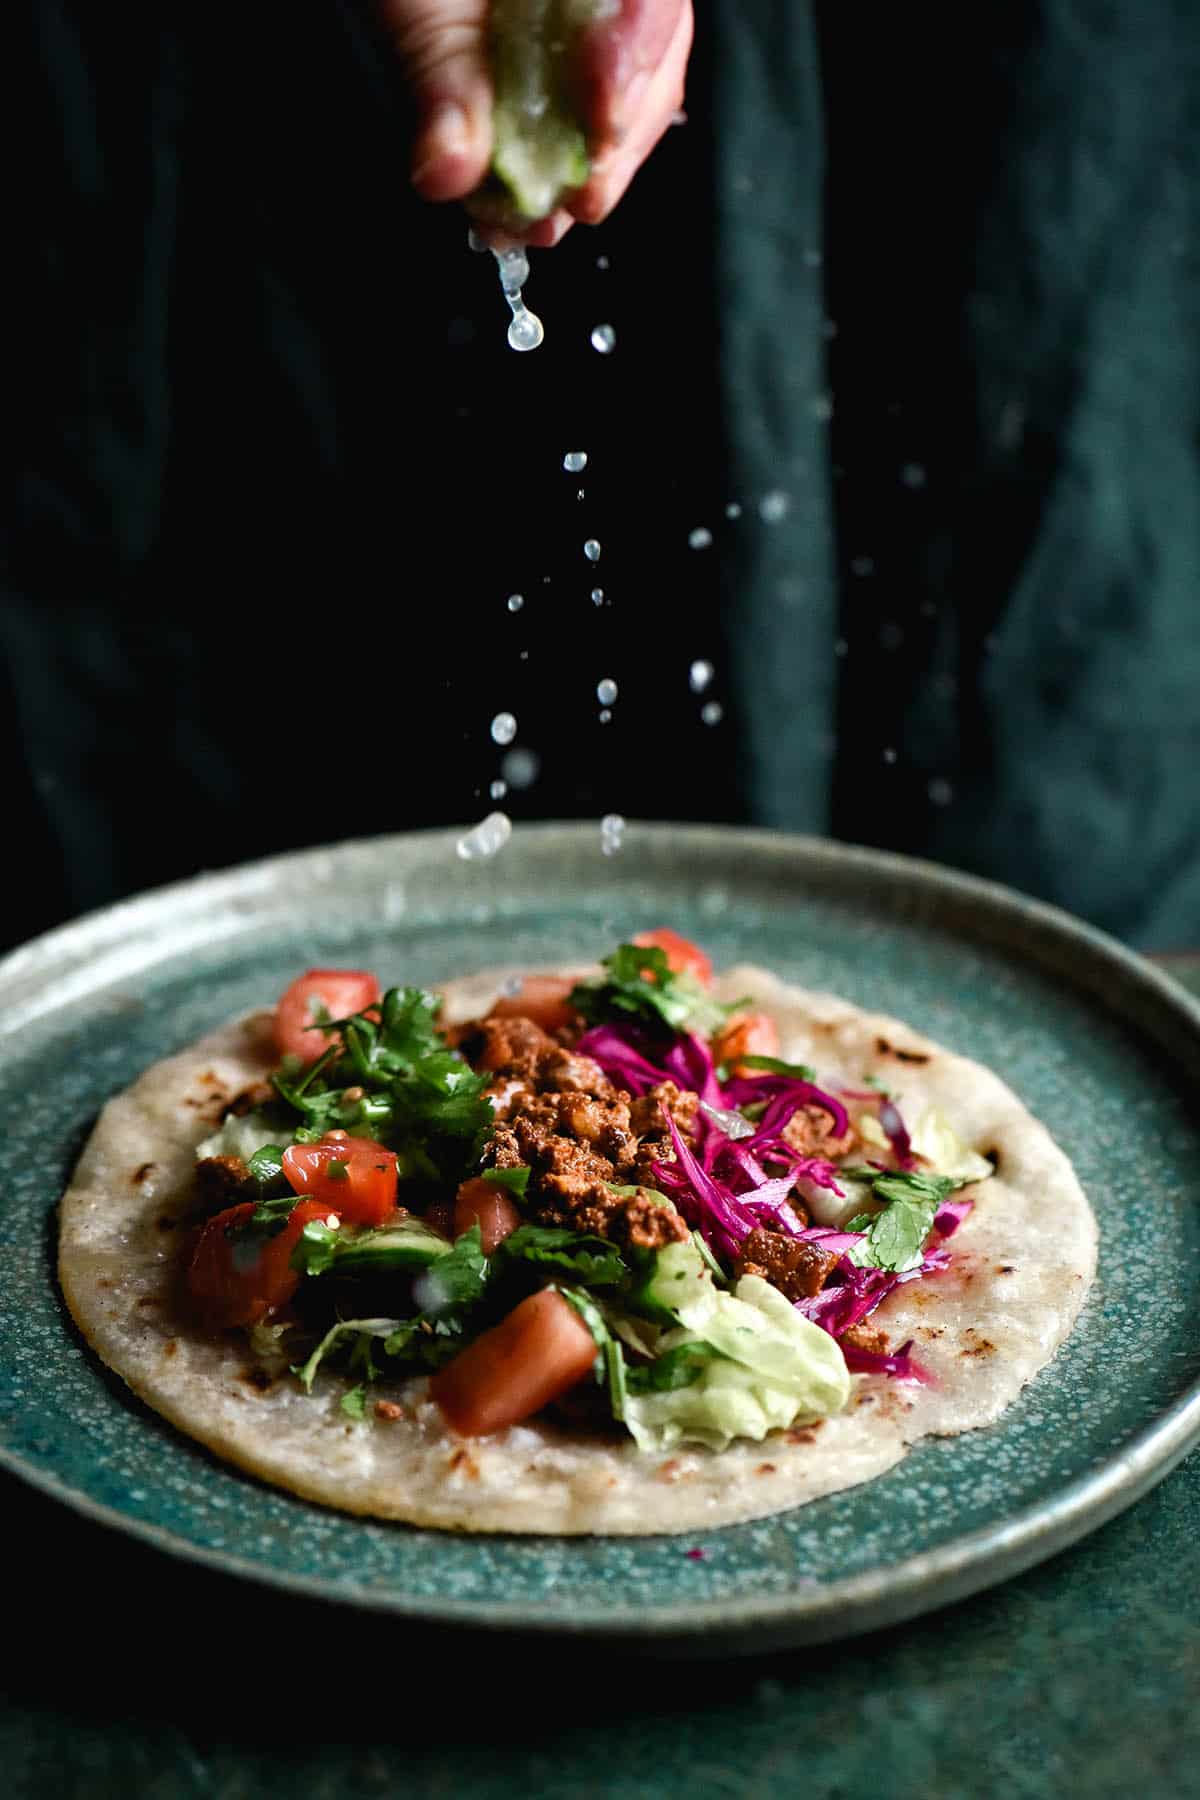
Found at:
[883, 1595]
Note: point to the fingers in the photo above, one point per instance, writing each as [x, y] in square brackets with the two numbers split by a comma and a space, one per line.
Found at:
[647, 105]
[621, 56]
[442, 45]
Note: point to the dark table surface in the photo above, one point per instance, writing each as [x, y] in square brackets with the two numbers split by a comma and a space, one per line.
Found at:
[127, 1673]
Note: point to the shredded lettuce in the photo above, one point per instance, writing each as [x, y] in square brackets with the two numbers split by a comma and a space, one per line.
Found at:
[765, 1367]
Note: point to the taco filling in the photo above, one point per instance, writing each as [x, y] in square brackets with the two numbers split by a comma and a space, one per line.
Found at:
[609, 1204]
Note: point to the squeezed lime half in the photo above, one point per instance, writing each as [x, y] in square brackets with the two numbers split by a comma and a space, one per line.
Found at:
[540, 150]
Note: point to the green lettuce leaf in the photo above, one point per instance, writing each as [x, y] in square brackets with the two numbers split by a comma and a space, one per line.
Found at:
[766, 1367]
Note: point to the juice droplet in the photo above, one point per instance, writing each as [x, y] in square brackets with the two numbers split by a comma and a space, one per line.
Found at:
[525, 331]
[699, 676]
[574, 461]
[889, 755]
[712, 713]
[498, 790]
[504, 728]
[490, 835]
[773, 507]
[597, 596]
[515, 602]
[606, 691]
[592, 550]
[733, 510]
[604, 339]
[612, 830]
[520, 768]
[605, 716]
[940, 791]
[602, 262]
[700, 539]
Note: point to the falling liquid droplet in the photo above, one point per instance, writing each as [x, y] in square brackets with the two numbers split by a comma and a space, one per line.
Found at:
[597, 596]
[520, 768]
[504, 728]
[612, 830]
[773, 507]
[592, 550]
[862, 565]
[604, 339]
[733, 510]
[574, 461]
[498, 790]
[579, 493]
[526, 331]
[602, 262]
[606, 691]
[913, 475]
[515, 602]
[889, 755]
[840, 647]
[940, 791]
[605, 716]
[713, 713]
[699, 676]
[490, 835]
[700, 539]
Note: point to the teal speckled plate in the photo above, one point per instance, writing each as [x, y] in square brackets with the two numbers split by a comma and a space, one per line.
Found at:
[1103, 1048]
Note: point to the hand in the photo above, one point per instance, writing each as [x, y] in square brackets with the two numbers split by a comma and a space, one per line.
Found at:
[630, 74]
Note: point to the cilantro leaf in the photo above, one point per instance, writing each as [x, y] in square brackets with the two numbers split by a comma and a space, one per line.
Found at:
[610, 1358]
[895, 1238]
[639, 980]
[391, 1077]
[456, 1279]
[515, 1180]
[775, 1065]
[677, 1368]
[591, 1260]
[354, 1402]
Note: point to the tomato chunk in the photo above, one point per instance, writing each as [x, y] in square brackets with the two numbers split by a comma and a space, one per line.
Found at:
[531, 1357]
[239, 1280]
[683, 957]
[317, 994]
[348, 1175]
[483, 1203]
[749, 1034]
[542, 998]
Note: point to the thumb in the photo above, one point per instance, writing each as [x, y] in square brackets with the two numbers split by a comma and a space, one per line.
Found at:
[442, 46]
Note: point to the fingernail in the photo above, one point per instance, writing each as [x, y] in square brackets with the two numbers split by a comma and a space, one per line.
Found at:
[447, 133]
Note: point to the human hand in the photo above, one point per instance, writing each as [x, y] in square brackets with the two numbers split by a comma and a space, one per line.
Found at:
[629, 77]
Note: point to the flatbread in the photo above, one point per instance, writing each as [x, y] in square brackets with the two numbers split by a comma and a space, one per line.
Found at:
[1021, 1266]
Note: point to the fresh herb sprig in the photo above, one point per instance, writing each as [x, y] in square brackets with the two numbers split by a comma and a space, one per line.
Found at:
[393, 1079]
[639, 981]
[895, 1238]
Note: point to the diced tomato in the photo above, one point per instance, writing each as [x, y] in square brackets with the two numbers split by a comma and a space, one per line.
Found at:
[347, 1175]
[684, 957]
[237, 1280]
[542, 998]
[317, 994]
[531, 1357]
[749, 1034]
[482, 1202]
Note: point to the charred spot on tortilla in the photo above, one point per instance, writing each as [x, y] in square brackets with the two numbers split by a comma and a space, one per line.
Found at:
[916, 1057]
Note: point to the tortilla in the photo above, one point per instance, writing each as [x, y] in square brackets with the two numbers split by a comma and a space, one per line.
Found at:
[1021, 1267]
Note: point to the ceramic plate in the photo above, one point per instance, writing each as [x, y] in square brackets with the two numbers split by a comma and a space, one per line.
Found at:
[1103, 1048]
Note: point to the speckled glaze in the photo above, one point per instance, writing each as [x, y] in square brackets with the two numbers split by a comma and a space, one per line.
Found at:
[1104, 1049]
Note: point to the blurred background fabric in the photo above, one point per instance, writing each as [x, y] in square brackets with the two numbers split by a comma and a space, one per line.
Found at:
[900, 432]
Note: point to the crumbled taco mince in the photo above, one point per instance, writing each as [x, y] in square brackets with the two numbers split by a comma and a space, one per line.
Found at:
[608, 1203]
